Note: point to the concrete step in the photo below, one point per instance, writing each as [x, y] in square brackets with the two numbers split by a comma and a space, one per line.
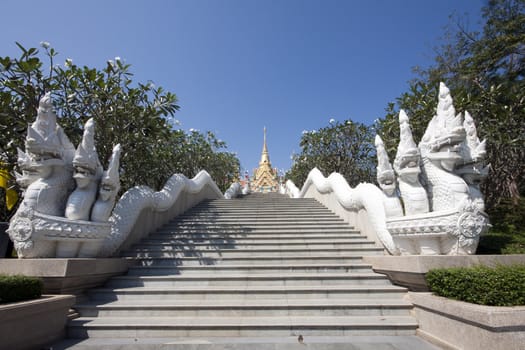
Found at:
[232, 244]
[246, 212]
[286, 238]
[170, 251]
[207, 219]
[260, 212]
[255, 236]
[261, 201]
[367, 342]
[249, 240]
[250, 211]
[240, 326]
[248, 292]
[288, 205]
[289, 279]
[275, 224]
[202, 229]
[234, 214]
[253, 260]
[262, 266]
[249, 308]
[248, 269]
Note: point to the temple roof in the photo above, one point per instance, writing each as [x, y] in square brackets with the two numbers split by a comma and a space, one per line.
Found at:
[265, 157]
[265, 176]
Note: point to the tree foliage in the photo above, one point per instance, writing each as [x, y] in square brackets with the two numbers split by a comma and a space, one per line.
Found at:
[346, 148]
[485, 72]
[138, 116]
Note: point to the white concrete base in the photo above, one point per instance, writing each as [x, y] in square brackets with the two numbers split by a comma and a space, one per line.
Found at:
[460, 325]
[34, 323]
[409, 271]
[67, 276]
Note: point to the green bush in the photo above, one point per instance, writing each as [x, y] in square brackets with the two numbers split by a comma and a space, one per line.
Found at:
[19, 288]
[498, 286]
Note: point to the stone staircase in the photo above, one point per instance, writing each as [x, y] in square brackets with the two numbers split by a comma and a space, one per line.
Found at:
[261, 267]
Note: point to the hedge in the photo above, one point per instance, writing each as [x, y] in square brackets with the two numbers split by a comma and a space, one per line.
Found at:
[497, 286]
[19, 288]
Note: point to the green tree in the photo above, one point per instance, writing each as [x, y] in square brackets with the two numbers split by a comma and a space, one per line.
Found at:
[485, 72]
[195, 151]
[138, 116]
[134, 116]
[346, 148]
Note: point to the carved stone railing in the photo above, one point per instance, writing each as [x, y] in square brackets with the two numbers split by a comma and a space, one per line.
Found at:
[361, 207]
[439, 232]
[291, 190]
[141, 211]
[234, 191]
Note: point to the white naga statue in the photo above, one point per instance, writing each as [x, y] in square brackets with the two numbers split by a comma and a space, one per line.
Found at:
[108, 189]
[446, 216]
[407, 167]
[471, 166]
[387, 181]
[54, 216]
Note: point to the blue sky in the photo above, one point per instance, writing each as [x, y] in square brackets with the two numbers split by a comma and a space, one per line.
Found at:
[239, 65]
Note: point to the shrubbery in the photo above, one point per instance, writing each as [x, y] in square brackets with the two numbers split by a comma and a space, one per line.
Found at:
[19, 288]
[498, 286]
[507, 235]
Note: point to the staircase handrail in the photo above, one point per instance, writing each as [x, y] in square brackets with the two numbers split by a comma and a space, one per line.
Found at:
[364, 196]
[234, 191]
[291, 190]
[140, 199]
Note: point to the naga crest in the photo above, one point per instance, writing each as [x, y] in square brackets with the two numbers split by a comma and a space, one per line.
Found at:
[473, 152]
[42, 140]
[385, 174]
[445, 132]
[46, 143]
[86, 162]
[406, 163]
[110, 179]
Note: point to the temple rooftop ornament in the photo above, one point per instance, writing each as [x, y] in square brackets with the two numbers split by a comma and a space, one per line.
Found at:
[265, 178]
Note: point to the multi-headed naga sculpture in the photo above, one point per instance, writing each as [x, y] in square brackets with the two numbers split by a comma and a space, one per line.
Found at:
[53, 219]
[446, 216]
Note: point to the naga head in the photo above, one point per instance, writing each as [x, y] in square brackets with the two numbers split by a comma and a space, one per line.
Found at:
[406, 163]
[86, 163]
[445, 133]
[472, 167]
[43, 144]
[385, 173]
[31, 171]
[110, 182]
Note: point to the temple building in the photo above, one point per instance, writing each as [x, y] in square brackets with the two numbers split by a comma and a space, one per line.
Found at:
[265, 178]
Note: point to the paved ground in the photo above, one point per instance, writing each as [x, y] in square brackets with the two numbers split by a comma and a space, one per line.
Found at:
[286, 343]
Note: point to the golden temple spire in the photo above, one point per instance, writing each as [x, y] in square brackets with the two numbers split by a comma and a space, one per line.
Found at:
[265, 158]
[265, 178]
